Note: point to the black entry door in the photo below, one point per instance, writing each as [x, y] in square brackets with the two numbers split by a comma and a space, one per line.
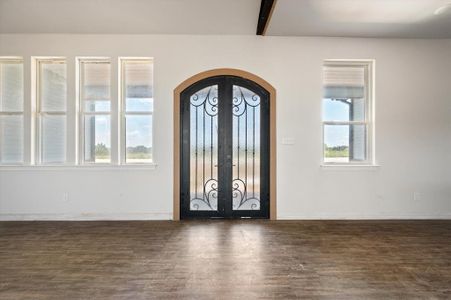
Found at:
[224, 149]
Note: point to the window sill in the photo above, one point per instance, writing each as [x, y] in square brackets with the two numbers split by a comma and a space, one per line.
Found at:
[104, 167]
[343, 167]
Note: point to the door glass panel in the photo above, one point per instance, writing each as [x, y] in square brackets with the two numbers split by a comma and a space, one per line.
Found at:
[246, 150]
[204, 149]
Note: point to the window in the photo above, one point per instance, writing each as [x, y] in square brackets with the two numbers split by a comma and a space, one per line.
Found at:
[51, 110]
[347, 119]
[95, 110]
[105, 118]
[136, 110]
[11, 111]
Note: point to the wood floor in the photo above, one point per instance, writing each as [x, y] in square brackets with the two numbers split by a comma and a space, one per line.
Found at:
[226, 260]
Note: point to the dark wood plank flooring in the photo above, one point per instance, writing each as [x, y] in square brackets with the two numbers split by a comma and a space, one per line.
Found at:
[226, 260]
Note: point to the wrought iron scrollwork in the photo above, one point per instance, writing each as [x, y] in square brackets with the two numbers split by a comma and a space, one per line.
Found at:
[240, 193]
[246, 143]
[245, 111]
[241, 103]
[204, 111]
[210, 192]
[209, 102]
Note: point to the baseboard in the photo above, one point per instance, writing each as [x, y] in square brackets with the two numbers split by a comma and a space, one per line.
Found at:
[366, 217]
[168, 216]
[86, 217]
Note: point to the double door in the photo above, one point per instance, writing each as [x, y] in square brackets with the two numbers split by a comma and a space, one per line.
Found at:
[224, 149]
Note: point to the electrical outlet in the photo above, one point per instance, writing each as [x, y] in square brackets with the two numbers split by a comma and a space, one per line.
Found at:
[65, 196]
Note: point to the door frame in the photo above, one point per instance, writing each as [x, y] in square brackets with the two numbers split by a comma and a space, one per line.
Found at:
[272, 138]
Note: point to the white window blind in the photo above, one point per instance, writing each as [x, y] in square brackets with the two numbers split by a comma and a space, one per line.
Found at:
[51, 110]
[11, 111]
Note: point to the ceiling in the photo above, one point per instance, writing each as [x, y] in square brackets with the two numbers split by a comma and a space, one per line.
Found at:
[348, 18]
[129, 16]
[362, 18]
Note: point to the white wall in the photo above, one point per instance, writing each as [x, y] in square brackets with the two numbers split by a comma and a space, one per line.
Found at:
[413, 128]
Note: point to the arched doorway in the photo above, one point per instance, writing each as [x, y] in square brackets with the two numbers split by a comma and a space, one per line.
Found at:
[224, 146]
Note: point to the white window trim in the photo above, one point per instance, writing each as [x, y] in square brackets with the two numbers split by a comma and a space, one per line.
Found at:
[122, 111]
[36, 113]
[369, 121]
[16, 60]
[80, 159]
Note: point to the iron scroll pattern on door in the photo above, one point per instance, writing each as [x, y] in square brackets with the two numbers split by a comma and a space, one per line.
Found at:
[246, 149]
[204, 116]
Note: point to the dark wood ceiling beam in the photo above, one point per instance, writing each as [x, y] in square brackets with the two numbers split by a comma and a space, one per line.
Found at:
[266, 9]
